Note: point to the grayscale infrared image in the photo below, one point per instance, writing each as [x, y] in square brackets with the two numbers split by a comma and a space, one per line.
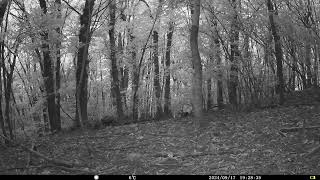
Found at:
[220, 89]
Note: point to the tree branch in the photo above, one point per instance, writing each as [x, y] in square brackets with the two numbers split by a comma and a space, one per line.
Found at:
[71, 7]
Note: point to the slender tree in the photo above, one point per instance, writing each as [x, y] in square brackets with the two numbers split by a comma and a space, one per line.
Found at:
[58, 66]
[114, 69]
[124, 71]
[156, 76]
[234, 55]
[278, 50]
[307, 21]
[3, 7]
[167, 95]
[218, 62]
[197, 96]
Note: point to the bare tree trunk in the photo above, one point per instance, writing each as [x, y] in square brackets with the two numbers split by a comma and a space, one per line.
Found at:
[135, 80]
[114, 69]
[308, 24]
[137, 66]
[156, 81]
[218, 60]
[48, 74]
[209, 100]
[197, 96]
[3, 7]
[57, 68]
[167, 95]
[316, 56]
[308, 63]
[278, 50]
[8, 88]
[124, 73]
[102, 93]
[234, 57]
[83, 64]
[4, 131]
[294, 68]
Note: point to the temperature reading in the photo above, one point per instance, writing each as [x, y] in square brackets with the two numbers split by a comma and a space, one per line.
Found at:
[132, 177]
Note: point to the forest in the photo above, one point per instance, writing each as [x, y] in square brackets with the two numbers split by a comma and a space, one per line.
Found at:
[159, 87]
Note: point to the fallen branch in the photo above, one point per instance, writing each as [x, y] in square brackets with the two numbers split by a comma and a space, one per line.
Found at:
[75, 169]
[51, 160]
[313, 152]
[295, 129]
[65, 112]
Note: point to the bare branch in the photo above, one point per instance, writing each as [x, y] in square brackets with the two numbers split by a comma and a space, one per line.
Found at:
[71, 7]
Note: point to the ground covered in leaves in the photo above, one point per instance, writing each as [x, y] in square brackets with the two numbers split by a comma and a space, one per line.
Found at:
[233, 143]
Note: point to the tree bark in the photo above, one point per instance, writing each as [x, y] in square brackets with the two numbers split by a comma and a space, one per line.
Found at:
[114, 69]
[278, 51]
[197, 96]
[124, 73]
[83, 65]
[294, 68]
[4, 131]
[8, 87]
[308, 24]
[135, 79]
[3, 7]
[48, 74]
[57, 68]
[218, 60]
[308, 63]
[156, 81]
[315, 66]
[235, 53]
[167, 95]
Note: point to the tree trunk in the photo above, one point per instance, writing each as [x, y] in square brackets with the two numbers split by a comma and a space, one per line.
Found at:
[167, 95]
[57, 68]
[4, 131]
[197, 96]
[278, 51]
[218, 59]
[124, 73]
[294, 64]
[8, 88]
[102, 93]
[3, 7]
[83, 65]
[135, 80]
[137, 66]
[308, 63]
[156, 81]
[308, 24]
[234, 44]
[114, 69]
[48, 74]
[315, 76]
[209, 100]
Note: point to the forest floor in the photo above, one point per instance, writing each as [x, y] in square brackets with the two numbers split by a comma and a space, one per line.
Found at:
[233, 143]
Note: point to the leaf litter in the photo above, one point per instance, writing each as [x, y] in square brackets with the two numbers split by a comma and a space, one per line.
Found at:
[234, 143]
